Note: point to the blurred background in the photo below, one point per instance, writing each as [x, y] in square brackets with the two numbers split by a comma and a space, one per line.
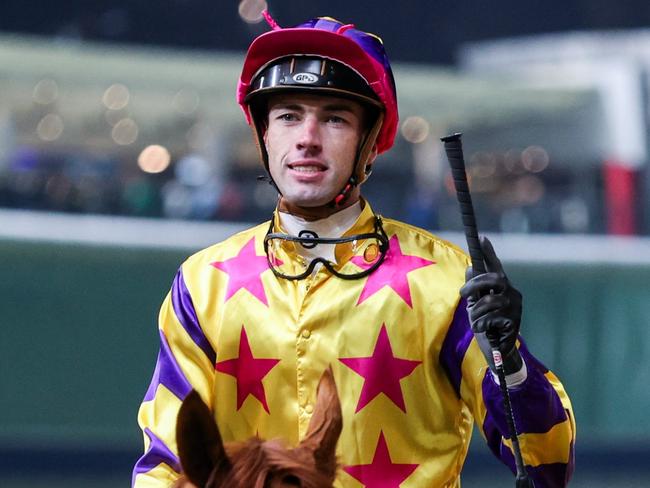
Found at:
[122, 151]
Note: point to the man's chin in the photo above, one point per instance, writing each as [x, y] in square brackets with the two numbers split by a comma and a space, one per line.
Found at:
[308, 201]
[309, 208]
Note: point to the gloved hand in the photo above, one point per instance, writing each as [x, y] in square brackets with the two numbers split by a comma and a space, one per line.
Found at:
[494, 309]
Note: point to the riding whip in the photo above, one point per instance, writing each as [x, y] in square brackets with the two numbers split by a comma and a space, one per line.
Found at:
[454, 150]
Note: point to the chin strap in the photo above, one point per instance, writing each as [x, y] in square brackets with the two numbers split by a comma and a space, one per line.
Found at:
[345, 192]
[353, 180]
[267, 178]
[335, 203]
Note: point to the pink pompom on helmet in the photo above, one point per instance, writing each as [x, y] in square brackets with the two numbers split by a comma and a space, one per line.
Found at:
[325, 56]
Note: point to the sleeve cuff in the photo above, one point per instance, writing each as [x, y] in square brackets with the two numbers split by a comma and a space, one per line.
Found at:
[514, 379]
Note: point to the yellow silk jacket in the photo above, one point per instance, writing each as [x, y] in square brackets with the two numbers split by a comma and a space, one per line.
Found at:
[411, 377]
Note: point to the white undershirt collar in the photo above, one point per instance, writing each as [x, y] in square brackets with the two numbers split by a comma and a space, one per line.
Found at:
[333, 226]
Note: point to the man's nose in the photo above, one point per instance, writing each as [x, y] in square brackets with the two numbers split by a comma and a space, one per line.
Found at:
[310, 136]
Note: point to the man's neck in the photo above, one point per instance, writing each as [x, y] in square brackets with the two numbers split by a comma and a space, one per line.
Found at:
[316, 213]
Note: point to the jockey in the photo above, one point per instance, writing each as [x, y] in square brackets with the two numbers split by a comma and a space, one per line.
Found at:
[252, 322]
[334, 60]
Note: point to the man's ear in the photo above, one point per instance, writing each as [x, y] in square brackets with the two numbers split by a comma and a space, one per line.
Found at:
[325, 426]
[264, 133]
[200, 447]
[373, 154]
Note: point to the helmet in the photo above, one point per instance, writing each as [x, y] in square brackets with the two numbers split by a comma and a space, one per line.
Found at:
[322, 55]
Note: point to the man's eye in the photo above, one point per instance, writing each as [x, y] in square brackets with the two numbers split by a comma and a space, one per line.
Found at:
[287, 117]
[336, 119]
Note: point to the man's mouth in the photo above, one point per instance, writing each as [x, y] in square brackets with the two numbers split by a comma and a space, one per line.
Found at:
[307, 167]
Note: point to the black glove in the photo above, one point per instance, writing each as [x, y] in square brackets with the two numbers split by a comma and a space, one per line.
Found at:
[494, 309]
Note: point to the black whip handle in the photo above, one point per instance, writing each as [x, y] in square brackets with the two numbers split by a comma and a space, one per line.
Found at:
[454, 150]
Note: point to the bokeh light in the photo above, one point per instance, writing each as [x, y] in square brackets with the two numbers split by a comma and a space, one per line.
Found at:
[177, 200]
[45, 92]
[535, 159]
[192, 170]
[186, 101]
[251, 10]
[50, 127]
[529, 189]
[154, 159]
[415, 129]
[125, 132]
[116, 97]
[483, 164]
[574, 215]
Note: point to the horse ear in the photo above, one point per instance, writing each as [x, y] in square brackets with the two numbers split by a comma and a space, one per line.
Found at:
[200, 447]
[325, 426]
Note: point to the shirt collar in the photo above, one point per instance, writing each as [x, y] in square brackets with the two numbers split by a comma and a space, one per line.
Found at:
[356, 219]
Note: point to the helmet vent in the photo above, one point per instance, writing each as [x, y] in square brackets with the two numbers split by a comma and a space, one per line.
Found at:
[344, 28]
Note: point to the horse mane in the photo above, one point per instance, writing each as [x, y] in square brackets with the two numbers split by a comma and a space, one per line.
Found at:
[255, 461]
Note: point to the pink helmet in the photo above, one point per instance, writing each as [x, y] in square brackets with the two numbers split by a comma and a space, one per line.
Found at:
[322, 55]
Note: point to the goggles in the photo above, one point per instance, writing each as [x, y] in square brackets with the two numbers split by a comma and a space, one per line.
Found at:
[373, 246]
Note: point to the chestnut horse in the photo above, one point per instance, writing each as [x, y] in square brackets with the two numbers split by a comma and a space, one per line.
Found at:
[209, 463]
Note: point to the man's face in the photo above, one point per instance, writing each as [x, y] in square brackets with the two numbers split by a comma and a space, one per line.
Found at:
[312, 143]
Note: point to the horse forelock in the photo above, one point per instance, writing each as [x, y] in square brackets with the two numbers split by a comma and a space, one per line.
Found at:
[264, 464]
[298, 462]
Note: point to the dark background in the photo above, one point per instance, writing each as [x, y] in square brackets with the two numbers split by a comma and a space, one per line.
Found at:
[421, 31]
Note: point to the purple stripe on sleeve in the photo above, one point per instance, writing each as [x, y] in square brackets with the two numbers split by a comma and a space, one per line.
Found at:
[493, 436]
[167, 373]
[184, 309]
[545, 475]
[459, 336]
[535, 404]
[157, 453]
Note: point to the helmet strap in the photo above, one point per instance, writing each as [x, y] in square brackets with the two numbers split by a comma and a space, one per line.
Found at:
[361, 169]
[269, 179]
[258, 129]
[365, 156]
[343, 195]
[363, 166]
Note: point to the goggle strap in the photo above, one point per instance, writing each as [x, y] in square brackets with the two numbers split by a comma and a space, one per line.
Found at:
[379, 233]
[364, 165]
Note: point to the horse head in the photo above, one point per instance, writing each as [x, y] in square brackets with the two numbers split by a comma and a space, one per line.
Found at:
[209, 463]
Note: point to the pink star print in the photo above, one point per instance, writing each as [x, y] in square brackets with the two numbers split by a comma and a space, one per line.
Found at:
[381, 472]
[382, 372]
[245, 271]
[249, 372]
[392, 272]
